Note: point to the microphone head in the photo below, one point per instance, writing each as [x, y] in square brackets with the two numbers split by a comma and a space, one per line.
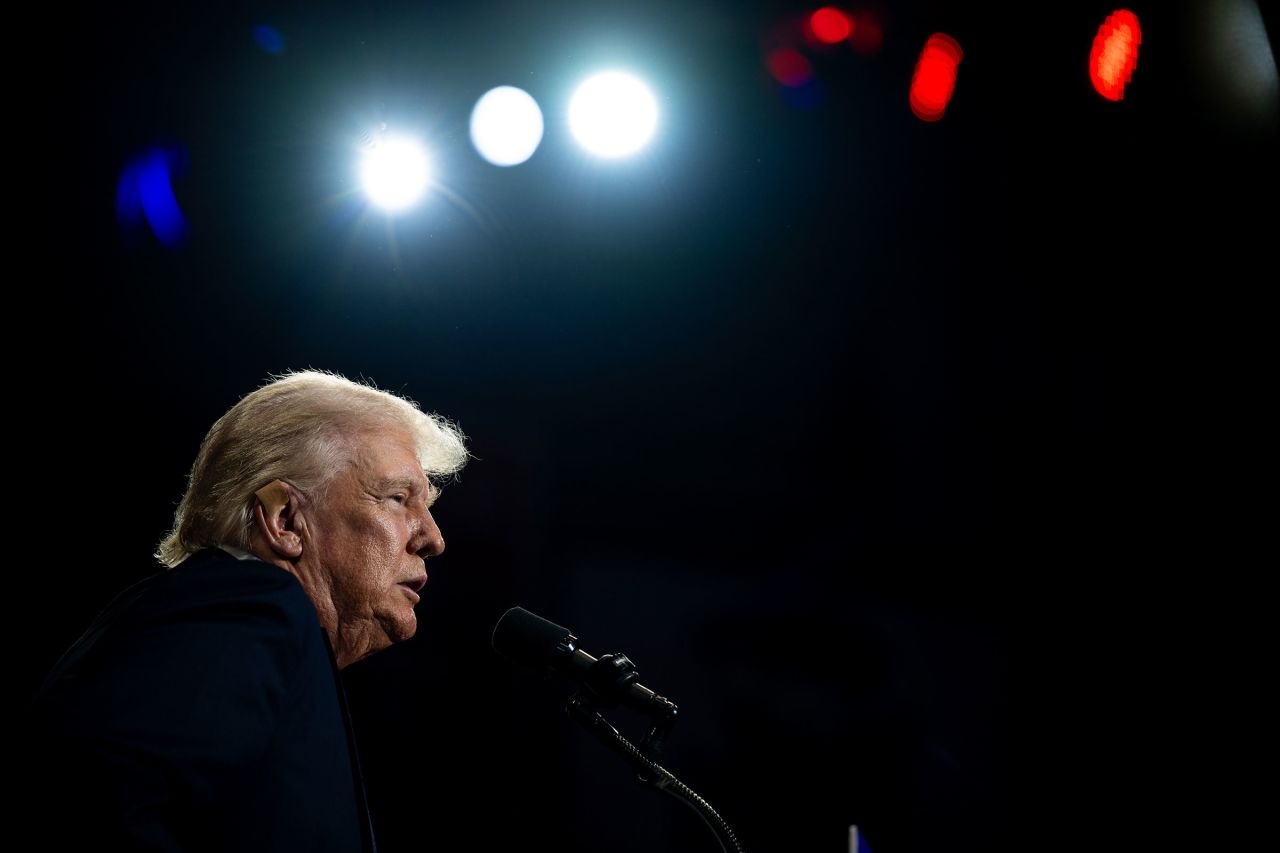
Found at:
[529, 640]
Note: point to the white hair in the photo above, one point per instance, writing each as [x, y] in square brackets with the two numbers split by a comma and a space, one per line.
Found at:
[301, 427]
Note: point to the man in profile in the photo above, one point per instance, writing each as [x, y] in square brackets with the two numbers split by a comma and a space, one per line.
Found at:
[203, 709]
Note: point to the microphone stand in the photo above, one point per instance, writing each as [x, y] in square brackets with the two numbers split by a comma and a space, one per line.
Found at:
[648, 772]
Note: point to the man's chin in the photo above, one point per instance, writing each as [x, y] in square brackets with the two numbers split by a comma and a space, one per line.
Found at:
[405, 629]
[398, 630]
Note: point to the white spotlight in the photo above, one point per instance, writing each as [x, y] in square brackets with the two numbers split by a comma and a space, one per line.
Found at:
[613, 114]
[506, 126]
[394, 172]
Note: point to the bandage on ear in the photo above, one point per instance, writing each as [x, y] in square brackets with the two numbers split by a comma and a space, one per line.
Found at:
[273, 495]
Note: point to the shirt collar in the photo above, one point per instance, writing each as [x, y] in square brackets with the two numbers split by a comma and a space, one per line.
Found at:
[238, 553]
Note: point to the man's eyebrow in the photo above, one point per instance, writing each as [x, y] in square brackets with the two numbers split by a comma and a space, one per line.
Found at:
[398, 483]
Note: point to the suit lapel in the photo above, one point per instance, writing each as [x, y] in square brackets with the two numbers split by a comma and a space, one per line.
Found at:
[362, 802]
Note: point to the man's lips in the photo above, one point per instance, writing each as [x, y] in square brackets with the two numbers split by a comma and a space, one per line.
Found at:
[411, 587]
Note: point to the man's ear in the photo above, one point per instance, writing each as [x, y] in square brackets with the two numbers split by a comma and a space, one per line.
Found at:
[275, 513]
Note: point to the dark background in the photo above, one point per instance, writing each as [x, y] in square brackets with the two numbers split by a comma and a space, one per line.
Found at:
[827, 417]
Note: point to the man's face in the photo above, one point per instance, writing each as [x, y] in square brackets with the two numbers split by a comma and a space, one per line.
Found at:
[368, 540]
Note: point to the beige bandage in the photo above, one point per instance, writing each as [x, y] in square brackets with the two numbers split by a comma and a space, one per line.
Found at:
[273, 495]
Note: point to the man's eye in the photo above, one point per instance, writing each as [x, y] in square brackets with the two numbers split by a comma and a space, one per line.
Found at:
[399, 498]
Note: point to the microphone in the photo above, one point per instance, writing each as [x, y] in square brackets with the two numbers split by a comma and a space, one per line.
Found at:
[535, 643]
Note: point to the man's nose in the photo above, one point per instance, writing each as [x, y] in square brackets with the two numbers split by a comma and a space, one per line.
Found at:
[428, 542]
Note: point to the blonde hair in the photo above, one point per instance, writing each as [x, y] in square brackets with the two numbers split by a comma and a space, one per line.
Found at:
[300, 427]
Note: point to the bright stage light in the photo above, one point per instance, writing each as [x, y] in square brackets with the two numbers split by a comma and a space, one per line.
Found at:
[506, 126]
[394, 172]
[613, 114]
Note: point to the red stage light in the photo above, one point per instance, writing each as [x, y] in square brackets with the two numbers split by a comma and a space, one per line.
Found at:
[934, 80]
[1115, 54]
[789, 67]
[830, 25]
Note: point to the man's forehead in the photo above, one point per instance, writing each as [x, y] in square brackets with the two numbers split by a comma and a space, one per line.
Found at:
[390, 460]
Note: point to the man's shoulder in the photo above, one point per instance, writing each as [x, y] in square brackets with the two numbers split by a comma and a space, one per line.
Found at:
[213, 597]
[212, 578]
[208, 614]
[208, 591]
[185, 681]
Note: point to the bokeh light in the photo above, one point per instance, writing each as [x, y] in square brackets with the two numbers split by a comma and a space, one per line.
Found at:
[268, 38]
[394, 172]
[934, 80]
[144, 193]
[613, 114]
[1115, 54]
[830, 26]
[506, 126]
[789, 67]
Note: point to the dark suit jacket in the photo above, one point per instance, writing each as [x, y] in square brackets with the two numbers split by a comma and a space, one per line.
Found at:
[202, 710]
